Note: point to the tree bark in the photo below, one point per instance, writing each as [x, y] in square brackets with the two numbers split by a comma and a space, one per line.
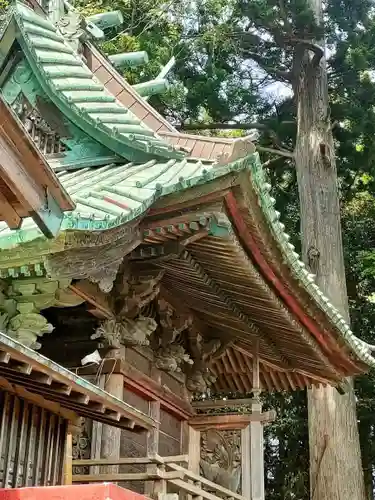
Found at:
[335, 460]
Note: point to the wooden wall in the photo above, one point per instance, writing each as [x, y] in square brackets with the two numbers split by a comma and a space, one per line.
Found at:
[32, 443]
[148, 390]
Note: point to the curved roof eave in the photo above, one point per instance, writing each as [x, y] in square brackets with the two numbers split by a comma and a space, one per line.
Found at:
[360, 349]
[80, 96]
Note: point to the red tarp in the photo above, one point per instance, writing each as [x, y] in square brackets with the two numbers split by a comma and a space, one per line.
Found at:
[105, 491]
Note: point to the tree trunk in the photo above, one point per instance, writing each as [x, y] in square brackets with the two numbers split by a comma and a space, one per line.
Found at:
[335, 459]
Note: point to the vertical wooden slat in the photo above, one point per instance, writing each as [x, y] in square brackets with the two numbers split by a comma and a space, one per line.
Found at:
[29, 448]
[11, 440]
[46, 454]
[57, 452]
[39, 447]
[20, 445]
[32, 443]
[3, 429]
[63, 440]
[96, 437]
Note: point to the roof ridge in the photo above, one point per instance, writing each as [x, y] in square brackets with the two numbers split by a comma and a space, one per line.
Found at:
[74, 93]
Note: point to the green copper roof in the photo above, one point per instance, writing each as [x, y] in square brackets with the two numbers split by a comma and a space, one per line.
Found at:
[109, 196]
[297, 267]
[80, 96]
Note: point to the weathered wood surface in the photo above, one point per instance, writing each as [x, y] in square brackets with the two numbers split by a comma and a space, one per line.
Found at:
[136, 476]
[153, 459]
[32, 442]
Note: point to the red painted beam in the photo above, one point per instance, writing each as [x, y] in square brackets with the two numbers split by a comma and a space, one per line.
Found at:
[271, 277]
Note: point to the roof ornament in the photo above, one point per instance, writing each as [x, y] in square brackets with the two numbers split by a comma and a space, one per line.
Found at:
[76, 29]
[241, 148]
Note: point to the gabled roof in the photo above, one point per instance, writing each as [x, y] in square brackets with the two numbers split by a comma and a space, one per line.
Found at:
[80, 96]
[196, 146]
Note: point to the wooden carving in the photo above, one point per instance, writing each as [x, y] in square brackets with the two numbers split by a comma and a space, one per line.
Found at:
[171, 354]
[114, 333]
[221, 457]
[133, 292]
[199, 378]
[81, 447]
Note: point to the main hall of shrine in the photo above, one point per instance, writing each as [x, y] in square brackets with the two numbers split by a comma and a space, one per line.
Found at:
[145, 279]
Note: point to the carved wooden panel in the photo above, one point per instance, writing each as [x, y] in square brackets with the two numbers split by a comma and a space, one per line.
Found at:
[82, 445]
[221, 457]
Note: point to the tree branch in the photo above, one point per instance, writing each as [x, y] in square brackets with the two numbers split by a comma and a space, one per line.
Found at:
[314, 47]
[281, 152]
[221, 126]
[275, 72]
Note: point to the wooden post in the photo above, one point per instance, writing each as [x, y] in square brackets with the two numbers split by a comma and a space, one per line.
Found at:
[245, 463]
[96, 437]
[154, 489]
[68, 458]
[111, 436]
[256, 455]
[256, 437]
[194, 450]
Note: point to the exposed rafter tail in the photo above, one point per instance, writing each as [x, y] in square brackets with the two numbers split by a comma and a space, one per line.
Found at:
[129, 59]
[151, 87]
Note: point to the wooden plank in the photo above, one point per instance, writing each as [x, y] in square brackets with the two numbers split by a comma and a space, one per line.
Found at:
[234, 421]
[131, 460]
[8, 213]
[56, 455]
[220, 403]
[39, 444]
[131, 476]
[96, 435]
[68, 469]
[91, 294]
[22, 429]
[195, 490]
[111, 436]
[206, 482]
[146, 387]
[194, 450]
[14, 414]
[151, 488]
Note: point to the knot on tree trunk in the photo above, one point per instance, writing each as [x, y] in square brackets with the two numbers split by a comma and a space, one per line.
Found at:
[313, 256]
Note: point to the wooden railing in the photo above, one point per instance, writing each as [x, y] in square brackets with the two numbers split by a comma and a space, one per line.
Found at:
[164, 471]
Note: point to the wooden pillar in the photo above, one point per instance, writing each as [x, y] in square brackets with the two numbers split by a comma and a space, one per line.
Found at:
[154, 488]
[245, 463]
[256, 455]
[256, 436]
[194, 450]
[111, 436]
[68, 457]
